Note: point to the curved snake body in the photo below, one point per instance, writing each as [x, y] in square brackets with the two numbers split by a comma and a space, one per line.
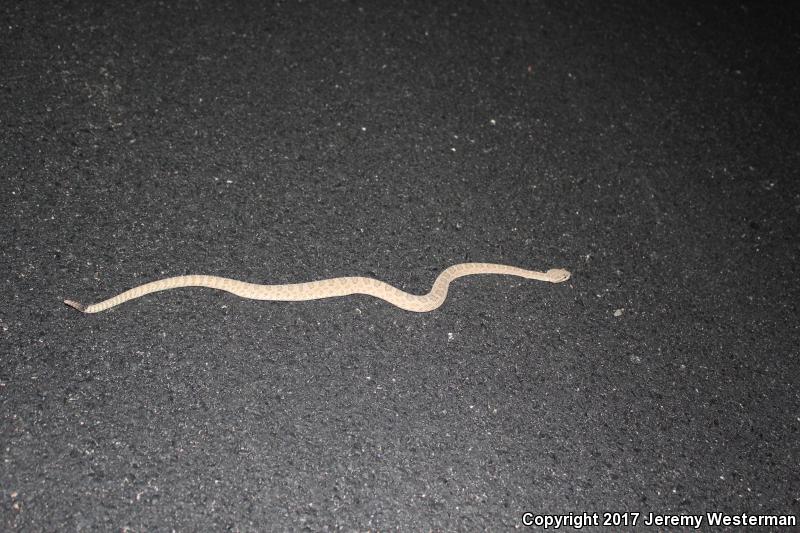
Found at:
[329, 288]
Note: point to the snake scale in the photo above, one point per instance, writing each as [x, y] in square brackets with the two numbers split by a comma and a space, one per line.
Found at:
[329, 288]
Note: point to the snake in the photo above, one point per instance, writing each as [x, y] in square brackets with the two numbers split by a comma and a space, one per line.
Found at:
[329, 288]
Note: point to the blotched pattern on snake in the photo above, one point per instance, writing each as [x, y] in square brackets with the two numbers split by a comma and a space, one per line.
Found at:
[329, 288]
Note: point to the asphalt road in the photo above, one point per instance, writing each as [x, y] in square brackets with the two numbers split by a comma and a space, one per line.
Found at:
[651, 148]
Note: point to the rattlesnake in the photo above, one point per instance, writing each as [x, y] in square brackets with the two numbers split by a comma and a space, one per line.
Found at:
[328, 288]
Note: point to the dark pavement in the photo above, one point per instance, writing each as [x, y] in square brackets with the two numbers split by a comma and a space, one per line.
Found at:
[650, 148]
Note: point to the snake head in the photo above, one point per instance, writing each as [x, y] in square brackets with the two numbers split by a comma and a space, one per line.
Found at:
[557, 275]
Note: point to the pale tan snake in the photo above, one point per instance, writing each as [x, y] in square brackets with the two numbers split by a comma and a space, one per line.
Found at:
[328, 288]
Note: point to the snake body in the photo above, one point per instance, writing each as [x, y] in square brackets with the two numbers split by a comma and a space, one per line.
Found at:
[329, 288]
